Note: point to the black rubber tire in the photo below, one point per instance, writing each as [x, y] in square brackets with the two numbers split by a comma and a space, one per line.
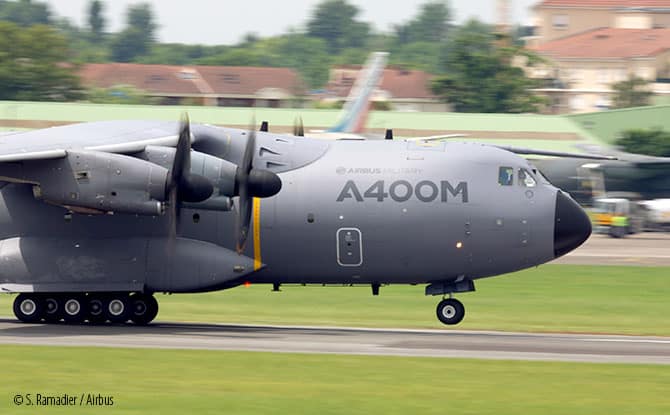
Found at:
[95, 309]
[144, 308]
[117, 315]
[27, 300]
[52, 311]
[70, 314]
[450, 311]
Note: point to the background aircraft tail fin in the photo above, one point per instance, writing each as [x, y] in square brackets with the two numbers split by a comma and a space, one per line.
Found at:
[355, 110]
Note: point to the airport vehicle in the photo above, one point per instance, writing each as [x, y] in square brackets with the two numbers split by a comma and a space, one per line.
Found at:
[618, 217]
[96, 218]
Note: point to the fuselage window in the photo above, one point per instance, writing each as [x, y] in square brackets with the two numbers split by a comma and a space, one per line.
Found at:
[506, 176]
[526, 179]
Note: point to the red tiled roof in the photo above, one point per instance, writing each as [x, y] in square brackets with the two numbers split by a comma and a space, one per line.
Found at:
[190, 80]
[150, 78]
[609, 43]
[605, 3]
[246, 80]
[406, 84]
[399, 83]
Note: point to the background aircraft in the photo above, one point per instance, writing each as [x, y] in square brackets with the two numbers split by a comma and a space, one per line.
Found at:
[354, 114]
[645, 176]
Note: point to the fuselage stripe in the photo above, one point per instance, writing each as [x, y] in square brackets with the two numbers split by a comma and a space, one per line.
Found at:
[257, 233]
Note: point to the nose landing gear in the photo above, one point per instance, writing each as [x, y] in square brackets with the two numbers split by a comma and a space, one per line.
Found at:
[450, 311]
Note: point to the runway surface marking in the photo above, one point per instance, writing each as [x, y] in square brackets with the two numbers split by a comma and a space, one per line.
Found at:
[343, 340]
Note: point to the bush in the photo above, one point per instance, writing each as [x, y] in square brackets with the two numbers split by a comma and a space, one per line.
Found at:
[654, 142]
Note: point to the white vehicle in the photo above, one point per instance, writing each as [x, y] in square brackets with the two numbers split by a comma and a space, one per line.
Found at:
[658, 215]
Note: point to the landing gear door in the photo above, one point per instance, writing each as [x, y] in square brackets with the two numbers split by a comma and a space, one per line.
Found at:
[349, 247]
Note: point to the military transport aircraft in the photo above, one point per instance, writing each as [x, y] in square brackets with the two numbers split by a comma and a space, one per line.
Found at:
[97, 217]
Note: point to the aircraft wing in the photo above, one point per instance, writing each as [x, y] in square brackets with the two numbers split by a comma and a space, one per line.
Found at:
[105, 136]
[530, 151]
[641, 160]
[428, 138]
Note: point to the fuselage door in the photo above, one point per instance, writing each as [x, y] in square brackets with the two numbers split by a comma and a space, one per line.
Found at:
[349, 247]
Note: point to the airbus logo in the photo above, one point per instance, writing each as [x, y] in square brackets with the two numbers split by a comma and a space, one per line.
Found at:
[376, 170]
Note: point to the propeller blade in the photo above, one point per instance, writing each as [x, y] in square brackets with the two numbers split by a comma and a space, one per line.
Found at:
[243, 219]
[248, 157]
[250, 183]
[182, 157]
[189, 187]
[298, 129]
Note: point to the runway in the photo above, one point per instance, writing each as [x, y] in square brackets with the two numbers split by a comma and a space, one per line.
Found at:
[333, 340]
[644, 249]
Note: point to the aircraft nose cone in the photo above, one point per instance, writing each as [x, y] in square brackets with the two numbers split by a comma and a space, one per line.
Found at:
[572, 225]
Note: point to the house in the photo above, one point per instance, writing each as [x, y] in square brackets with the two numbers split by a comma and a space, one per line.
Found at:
[555, 19]
[204, 85]
[590, 45]
[402, 89]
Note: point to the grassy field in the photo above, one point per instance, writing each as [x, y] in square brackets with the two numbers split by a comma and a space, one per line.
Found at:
[554, 298]
[214, 382]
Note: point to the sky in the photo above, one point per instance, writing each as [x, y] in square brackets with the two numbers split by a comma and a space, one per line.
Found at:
[215, 22]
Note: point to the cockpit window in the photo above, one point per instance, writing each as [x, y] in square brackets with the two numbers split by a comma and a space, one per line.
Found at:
[506, 176]
[526, 179]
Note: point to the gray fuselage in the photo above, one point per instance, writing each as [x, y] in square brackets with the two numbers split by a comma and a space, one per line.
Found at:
[348, 212]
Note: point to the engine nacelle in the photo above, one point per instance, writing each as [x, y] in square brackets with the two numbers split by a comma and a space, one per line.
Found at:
[221, 173]
[96, 182]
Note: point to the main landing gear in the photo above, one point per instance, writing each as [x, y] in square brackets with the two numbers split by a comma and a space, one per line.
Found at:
[116, 308]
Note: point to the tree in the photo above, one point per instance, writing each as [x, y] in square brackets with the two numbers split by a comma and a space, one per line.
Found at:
[480, 75]
[335, 22]
[25, 12]
[632, 92]
[96, 21]
[654, 142]
[430, 25]
[138, 36]
[308, 56]
[31, 65]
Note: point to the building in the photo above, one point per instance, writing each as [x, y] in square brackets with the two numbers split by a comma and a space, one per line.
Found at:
[237, 86]
[401, 89]
[590, 45]
[556, 19]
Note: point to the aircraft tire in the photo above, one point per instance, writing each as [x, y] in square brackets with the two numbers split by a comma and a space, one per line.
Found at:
[144, 308]
[53, 308]
[117, 308]
[95, 309]
[28, 308]
[74, 309]
[450, 311]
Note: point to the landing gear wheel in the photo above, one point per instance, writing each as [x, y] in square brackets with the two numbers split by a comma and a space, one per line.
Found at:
[95, 309]
[117, 308]
[28, 308]
[52, 308]
[74, 309]
[144, 308]
[450, 311]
